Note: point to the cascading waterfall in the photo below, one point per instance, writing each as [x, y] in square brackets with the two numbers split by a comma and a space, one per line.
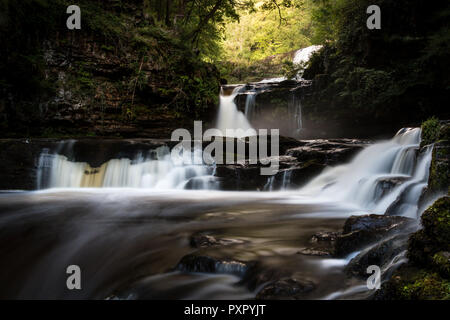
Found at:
[303, 55]
[250, 105]
[231, 118]
[158, 171]
[284, 183]
[295, 112]
[379, 175]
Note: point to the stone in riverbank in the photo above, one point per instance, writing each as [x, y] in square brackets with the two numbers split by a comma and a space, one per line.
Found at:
[426, 275]
[277, 284]
[360, 231]
[329, 152]
[325, 236]
[381, 254]
[286, 289]
[199, 263]
[202, 240]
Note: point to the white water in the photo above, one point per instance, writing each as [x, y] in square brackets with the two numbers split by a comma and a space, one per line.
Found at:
[304, 54]
[158, 172]
[301, 56]
[230, 118]
[250, 102]
[383, 174]
[361, 181]
[365, 183]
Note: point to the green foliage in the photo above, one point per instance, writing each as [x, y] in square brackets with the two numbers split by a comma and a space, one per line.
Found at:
[395, 72]
[265, 31]
[291, 70]
[426, 286]
[430, 130]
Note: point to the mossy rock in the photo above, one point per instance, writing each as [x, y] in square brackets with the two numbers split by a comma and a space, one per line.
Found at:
[436, 221]
[441, 262]
[430, 131]
[435, 235]
[411, 283]
[438, 132]
[439, 179]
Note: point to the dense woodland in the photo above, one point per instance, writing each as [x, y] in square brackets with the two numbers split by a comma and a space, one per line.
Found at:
[141, 67]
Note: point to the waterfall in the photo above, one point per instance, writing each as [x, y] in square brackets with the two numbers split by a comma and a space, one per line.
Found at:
[303, 55]
[295, 114]
[157, 171]
[379, 175]
[250, 105]
[231, 118]
[281, 184]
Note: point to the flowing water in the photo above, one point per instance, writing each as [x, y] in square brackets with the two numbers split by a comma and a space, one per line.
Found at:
[129, 222]
[230, 118]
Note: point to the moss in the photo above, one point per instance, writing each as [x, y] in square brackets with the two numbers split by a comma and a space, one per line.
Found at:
[436, 221]
[426, 275]
[427, 286]
[437, 132]
[430, 131]
[441, 262]
[435, 235]
[412, 283]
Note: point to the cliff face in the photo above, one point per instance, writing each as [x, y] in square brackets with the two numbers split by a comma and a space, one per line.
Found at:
[120, 75]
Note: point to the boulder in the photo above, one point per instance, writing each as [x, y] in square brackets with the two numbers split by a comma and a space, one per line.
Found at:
[203, 241]
[381, 254]
[286, 289]
[329, 152]
[325, 236]
[313, 252]
[199, 263]
[360, 231]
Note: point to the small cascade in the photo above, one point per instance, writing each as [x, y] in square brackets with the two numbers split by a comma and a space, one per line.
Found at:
[156, 171]
[303, 55]
[379, 176]
[250, 102]
[282, 183]
[230, 117]
[269, 184]
[295, 114]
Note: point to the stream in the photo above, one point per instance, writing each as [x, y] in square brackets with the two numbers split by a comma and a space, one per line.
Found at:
[128, 223]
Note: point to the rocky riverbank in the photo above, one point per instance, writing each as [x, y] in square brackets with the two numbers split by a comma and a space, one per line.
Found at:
[427, 273]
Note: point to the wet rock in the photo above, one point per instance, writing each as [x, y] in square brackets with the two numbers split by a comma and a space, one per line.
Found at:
[204, 241]
[373, 222]
[325, 236]
[434, 237]
[385, 185]
[426, 275]
[198, 263]
[329, 152]
[258, 275]
[441, 262]
[286, 289]
[439, 178]
[381, 254]
[360, 231]
[313, 252]
[244, 176]
[410, 282]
